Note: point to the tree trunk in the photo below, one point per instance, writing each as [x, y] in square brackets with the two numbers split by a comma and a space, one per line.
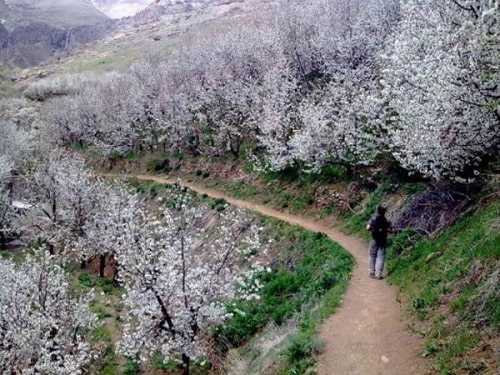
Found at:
[3, 240]
[102, 265]
[185, 364]
[235, 148]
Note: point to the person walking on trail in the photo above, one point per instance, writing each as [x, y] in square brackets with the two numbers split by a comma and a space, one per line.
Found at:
[380, 228]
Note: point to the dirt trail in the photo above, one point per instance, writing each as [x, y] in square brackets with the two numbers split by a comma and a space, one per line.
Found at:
[366, 336]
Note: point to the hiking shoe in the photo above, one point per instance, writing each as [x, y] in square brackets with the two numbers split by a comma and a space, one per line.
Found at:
[372, 275]
[379, 277]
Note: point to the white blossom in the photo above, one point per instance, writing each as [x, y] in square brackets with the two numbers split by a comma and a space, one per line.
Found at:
[441, 80]
[311, 84]
[44, 327]
[180, 268]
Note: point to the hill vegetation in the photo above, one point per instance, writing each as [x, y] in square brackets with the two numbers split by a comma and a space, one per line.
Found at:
[323, 108]
[445, 259]
[311, 88]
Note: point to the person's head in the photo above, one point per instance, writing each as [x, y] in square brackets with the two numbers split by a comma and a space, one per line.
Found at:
[381, 210]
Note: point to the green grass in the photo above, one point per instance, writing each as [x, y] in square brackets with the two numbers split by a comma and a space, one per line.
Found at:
[276, 193]
[101, 333]
[99, 310]
[108, 286]
[108, 365]
[173, 366]
[152, 188]
[7, 88]
[158, 363]
[303, 346]
[16, 255]
[456, 295]
[106, 306]
[131, 368]
[299, 352]
[242, 190]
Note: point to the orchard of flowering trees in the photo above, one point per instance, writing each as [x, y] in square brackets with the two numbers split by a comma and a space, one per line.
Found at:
[310, 84]
[441, 79]
[179, 261]
[14, 147]
[313, 83]
[180, 266]
[45, 327]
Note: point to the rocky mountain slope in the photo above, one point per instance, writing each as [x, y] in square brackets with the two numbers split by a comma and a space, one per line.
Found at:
[158, 29]
[161, 9]
[32, 31]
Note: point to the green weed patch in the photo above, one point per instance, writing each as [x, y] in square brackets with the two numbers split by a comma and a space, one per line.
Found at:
[307, 282]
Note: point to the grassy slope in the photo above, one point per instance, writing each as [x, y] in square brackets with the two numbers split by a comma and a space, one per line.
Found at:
[452, 286]
[307, 284]
[449, 283]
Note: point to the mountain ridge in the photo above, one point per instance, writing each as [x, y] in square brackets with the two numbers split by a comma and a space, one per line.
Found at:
[31, 32]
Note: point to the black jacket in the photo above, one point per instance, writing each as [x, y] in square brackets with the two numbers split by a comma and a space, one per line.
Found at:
[380, 227]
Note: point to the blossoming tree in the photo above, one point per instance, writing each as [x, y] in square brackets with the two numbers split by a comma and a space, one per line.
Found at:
[64, 196]
[441, 81]
[44, 328]
[179, 269]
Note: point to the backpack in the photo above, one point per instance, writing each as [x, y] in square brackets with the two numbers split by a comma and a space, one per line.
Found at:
[379, 227]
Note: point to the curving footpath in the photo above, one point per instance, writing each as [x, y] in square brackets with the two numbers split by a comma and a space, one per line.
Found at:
[366, 335]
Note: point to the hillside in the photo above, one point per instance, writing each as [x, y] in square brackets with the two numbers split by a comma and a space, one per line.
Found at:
[31, 31]
[165, 9]
[201, 186]
[153, 31]
[444, 261]
[56, 13]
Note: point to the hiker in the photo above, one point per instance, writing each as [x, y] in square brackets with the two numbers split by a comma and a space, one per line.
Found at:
[380, 227]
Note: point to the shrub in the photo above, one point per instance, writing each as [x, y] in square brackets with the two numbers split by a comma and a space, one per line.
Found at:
[219, 204]
[131, 368]
[86, 280]
[67, 84]
[158, 165]
[301, 345]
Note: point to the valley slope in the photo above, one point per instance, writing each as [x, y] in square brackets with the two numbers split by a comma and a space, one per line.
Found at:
[31, 32]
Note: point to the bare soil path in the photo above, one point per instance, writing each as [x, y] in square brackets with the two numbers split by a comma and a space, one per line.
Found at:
[367, 334]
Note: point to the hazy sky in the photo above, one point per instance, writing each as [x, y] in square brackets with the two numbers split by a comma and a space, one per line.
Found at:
[121, 8]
